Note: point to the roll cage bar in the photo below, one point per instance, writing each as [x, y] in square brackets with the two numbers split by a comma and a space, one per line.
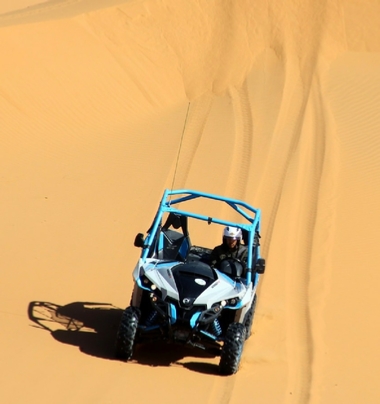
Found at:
[251, 215]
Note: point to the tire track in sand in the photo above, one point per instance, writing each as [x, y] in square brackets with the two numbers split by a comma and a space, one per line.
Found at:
[296, 178]
[314, 170]
[293, 183]
[223, 388]
[242, 150]
[280, 163]
[297, 248]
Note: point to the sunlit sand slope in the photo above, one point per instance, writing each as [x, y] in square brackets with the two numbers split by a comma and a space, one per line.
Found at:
[104, 104]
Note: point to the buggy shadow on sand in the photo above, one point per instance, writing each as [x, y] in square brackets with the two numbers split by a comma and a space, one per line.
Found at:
[178, 297]
[92, 327]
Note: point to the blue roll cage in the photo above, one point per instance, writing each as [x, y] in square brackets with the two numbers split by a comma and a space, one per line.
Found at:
[166, 205]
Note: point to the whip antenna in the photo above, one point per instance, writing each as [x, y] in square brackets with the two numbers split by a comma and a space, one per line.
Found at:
[180, 146]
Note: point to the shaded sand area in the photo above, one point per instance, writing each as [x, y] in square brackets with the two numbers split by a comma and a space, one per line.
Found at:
[283, 101]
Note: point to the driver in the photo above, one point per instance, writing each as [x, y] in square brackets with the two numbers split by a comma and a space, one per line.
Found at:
[230, 248]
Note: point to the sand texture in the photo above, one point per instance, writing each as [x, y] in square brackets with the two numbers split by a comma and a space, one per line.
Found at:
[282, 99]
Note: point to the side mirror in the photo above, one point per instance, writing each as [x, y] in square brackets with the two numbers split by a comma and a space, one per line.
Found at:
[139, 240]
[260, 266]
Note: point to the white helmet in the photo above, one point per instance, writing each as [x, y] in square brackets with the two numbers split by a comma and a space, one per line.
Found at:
[233, 232]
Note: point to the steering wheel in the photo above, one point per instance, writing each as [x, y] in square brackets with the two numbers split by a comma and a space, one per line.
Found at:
[233, 259]
[229, 265]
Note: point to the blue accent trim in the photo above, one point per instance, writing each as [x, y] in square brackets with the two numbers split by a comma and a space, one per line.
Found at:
[184, 248]
[173, 313]
[236, 307]
[226, 277]
[256, 280]
[160, 242]
[140, 285]
[208, 335]
[194, 319]
[165, 264]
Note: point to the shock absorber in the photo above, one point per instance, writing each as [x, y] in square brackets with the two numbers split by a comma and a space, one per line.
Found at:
[216, 328]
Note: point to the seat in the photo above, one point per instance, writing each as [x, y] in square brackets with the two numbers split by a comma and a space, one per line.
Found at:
[197, 253]
[174, 246]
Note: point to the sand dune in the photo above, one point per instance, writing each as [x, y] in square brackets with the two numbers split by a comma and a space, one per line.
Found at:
[276, 103]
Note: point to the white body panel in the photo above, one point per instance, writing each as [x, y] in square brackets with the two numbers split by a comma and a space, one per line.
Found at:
[224, 288]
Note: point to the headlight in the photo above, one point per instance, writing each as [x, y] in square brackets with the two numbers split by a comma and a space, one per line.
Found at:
[217, 308]
[147, 283]
[230, 302]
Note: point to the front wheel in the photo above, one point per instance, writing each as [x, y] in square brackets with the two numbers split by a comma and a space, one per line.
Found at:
[126, 334]
[232, 349]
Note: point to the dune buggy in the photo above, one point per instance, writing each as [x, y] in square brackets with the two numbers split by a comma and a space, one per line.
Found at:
[179, 297]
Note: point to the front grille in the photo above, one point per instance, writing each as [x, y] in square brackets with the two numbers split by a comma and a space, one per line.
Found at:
[185, 314]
